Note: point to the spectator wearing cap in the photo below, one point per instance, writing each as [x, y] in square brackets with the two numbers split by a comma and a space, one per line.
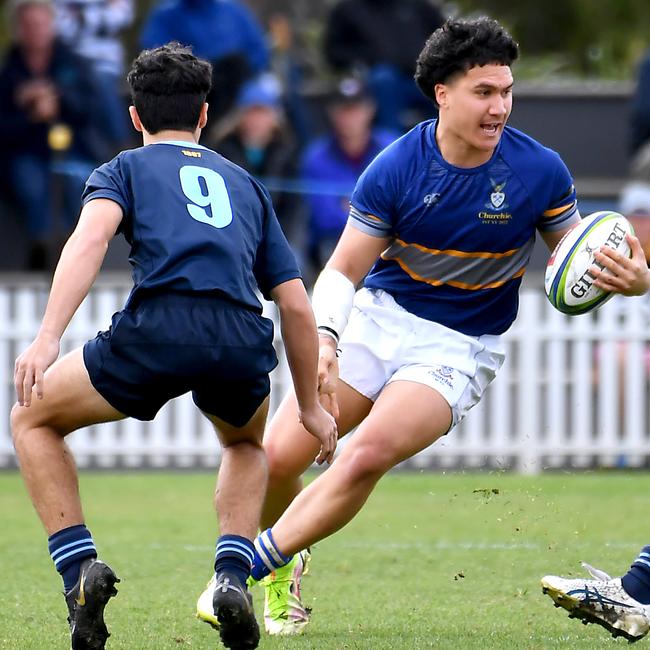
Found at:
[381, 40]
[44, 104]
[224, 32]
[260, 142]
[333, 162]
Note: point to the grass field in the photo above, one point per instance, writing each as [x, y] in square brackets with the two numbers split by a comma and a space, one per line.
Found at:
[435, 560]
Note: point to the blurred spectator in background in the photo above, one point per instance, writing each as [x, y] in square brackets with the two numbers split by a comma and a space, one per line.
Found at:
[332, 163]
[640, 107]
[634, 201]
[382, 40]
[93, 28]
[224, 32]
[261, 143]
[44, 104]
[289, 67]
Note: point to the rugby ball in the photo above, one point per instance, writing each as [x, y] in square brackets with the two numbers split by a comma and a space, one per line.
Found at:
[568, 280]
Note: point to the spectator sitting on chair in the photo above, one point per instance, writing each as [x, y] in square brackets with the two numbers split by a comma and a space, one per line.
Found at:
[224, 32]
[263, 145]
[382, 39]
[290, 64]
[332, 164]
[44, 91]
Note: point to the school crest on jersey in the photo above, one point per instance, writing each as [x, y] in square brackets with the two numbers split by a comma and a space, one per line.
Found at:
[498, 196]
[496, 206]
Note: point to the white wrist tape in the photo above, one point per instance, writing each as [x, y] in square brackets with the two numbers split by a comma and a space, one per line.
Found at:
[332, 302]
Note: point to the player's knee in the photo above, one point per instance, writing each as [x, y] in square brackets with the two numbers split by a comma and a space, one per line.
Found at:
[24, 419]
[282, 467]
[366, 463]
[20, 420]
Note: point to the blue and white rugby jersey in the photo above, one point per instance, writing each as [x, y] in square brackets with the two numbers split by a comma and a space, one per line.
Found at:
[461, 238]
[195, 222]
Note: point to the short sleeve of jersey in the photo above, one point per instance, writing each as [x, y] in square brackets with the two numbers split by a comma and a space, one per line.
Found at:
[107, 182]
[275, 262]
[562, 210]
[373, 202]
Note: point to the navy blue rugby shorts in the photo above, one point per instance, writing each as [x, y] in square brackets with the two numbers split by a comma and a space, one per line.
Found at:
[169, 345]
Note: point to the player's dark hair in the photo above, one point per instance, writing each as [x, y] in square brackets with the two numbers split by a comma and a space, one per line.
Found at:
[168, 87]
[460, 45]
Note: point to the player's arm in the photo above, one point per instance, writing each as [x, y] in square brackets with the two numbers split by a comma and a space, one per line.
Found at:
[80, 261]
[354, 255]
[334, 291]
[301, 346]
[552, 238]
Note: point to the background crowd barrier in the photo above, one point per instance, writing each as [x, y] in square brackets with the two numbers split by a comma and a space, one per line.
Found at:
[573, 392]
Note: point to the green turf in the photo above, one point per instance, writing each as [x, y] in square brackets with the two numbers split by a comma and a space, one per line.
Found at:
[434, 561]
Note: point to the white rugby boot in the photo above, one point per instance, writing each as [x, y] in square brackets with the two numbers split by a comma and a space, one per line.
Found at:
[601, 600]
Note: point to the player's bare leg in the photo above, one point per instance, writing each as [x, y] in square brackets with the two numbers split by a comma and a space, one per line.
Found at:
[406, 418]
[69, 402]
[291, 450]
[48, 469]
[240, 490]
[241, 483]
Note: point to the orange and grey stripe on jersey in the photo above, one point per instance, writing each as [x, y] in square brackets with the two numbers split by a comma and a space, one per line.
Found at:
[461, 269]
[369, 223]
[563, 214]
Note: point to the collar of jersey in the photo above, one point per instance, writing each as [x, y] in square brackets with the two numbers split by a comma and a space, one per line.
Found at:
[431, 140]
[182, 143]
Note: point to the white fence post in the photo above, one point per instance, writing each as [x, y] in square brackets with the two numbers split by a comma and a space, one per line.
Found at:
[6, 379]
[529, 337]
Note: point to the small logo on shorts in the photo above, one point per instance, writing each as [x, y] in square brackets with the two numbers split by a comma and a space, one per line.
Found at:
[443, 374]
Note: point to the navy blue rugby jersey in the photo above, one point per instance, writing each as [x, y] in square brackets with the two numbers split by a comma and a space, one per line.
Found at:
[196, 223]
[460, 238]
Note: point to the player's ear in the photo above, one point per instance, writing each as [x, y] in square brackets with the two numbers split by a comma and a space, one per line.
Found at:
[203, 118]
[440, 93]
[135, 119]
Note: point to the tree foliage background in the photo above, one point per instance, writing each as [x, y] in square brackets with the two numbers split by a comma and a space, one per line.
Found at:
[575, 38]
[589, 38]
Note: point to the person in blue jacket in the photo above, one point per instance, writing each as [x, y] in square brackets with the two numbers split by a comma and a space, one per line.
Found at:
[333, 162]
[224, 32]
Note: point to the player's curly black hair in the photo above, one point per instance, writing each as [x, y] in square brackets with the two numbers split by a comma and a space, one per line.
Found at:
[460, 45]
[168, 87]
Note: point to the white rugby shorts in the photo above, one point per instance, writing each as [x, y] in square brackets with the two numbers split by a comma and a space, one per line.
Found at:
[383, 342]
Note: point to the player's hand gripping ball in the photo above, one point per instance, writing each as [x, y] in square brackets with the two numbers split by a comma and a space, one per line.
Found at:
[568, 281]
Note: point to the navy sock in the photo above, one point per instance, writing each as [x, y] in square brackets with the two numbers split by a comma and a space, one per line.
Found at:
[636, 581]
[68, 549]
[235, 555]
[268, 556]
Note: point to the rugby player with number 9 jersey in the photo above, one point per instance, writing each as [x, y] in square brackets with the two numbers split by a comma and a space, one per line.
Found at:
[204, 240]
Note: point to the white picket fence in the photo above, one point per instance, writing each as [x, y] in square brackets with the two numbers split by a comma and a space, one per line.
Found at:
[558, 400]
